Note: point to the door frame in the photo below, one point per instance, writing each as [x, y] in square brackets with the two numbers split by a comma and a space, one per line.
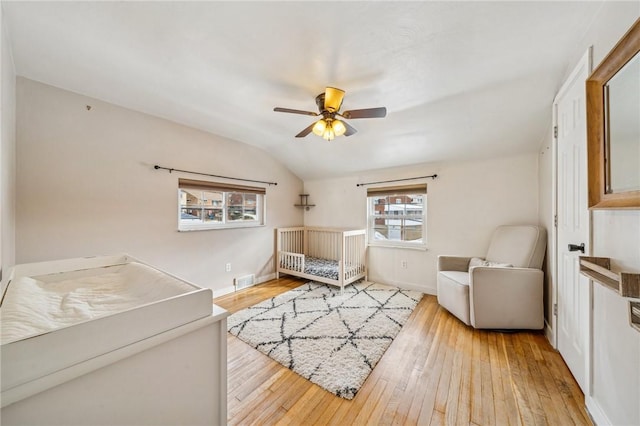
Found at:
[585, 60]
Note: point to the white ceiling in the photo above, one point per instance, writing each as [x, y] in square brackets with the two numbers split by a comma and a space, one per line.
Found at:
[460, 80]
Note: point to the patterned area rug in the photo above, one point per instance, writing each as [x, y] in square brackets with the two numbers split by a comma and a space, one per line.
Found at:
[332, 340]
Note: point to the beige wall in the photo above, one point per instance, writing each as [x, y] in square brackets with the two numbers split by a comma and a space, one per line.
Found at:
[546, 211]
[465, 204]
[86, 186]
[615, 361]
[7, 152]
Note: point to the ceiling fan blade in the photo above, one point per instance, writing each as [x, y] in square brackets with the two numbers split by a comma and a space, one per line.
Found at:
[366, 113]
[333, 99]
[295, 111]
[350, 129]
[306, 131]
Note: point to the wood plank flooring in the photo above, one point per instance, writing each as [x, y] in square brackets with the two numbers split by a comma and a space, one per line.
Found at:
[437, 371]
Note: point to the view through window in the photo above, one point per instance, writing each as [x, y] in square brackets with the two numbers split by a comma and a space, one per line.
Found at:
[210, 205]
[397, 215]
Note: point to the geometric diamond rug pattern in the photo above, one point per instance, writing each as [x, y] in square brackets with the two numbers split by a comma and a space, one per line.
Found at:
[333, 340]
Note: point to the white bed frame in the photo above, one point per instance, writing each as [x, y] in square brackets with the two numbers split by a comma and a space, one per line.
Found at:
[348, 247]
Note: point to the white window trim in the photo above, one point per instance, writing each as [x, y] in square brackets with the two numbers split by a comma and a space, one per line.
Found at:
[261, 210]
[399, 245]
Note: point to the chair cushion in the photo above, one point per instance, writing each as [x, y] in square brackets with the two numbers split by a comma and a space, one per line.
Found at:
[522, 246]
[476, 261]
[458, 277]
[497, 264]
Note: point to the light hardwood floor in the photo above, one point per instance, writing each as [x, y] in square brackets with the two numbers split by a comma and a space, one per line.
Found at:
[436, 371]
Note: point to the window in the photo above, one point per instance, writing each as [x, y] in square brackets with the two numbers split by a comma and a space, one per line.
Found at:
[212, 205]
[397, 216]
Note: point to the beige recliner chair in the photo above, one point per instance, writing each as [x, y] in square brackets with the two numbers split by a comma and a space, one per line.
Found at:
[502, 291]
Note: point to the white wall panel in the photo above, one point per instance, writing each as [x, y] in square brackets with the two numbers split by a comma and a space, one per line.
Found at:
[616, 346]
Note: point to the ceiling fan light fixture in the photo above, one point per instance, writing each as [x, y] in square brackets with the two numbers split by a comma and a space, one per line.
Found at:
[338, 127]
[319, 127]
[329, 134]
[329, 104]
[333, 99]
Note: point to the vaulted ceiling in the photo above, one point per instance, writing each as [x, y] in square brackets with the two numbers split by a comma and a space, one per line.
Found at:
[460, 80]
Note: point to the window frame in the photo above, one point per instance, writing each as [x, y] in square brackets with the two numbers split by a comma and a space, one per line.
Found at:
[392, 193]
[224, 190]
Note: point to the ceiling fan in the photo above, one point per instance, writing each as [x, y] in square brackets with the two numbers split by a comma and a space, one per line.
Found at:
[329, 126]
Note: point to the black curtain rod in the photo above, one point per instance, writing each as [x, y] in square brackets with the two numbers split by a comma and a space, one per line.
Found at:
[397, 180]
[217, 176]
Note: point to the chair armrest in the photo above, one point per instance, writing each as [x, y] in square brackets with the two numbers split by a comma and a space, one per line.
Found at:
[506, 298]
[453, 263]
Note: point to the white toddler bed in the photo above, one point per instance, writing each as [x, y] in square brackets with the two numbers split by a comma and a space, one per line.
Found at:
[332, 256]
[116, 339]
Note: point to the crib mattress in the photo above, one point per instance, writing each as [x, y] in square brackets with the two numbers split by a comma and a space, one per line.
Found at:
[326, 268]
[57, 314]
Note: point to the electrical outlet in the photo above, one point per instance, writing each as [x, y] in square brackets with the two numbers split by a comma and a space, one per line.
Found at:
[227, 267]
[403, 264]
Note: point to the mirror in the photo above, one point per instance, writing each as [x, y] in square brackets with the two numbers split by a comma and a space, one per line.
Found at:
[622, 125]
[613, 126]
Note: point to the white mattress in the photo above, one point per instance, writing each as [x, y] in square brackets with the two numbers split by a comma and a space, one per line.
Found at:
[58, 314]
[34, 305]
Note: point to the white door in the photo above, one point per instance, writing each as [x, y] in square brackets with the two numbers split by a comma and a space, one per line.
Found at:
[573, 300]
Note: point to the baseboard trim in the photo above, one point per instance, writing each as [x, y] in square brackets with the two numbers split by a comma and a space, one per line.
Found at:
[223, 291]
[598, 417]
[265, 278]
[400, 284]
[230, 289]
[549, 333]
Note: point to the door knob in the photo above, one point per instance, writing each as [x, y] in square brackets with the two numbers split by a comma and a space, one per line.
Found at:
[575, 247]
